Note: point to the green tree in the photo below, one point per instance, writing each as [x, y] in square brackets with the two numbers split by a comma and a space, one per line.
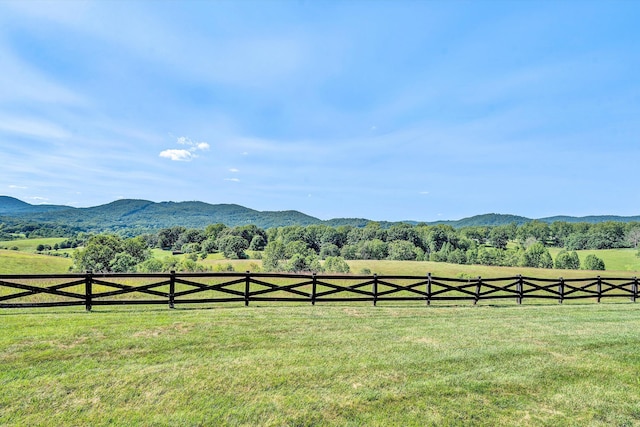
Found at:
[479, 234]
[499, 237]
[233, 246]
[123, 263]
[402, 250]
[373, 249]
[297, 247]
[258, 242]
[329, 250]
[152, 265]
[209, 245]
[189, 248]
[98, 253]
[167, 237]
[489, 256]
[567, 260]
[212, 231]
[273, 256]
[537, 256]
[334, 264]
[536, 229]
[457, 256]
[592, 262]
[192, 235]
[137, 248]
[301, 263]
[349, 252]
[403, 232]
[633, 236]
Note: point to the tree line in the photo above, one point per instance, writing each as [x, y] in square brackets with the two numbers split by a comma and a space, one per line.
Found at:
[325, 248]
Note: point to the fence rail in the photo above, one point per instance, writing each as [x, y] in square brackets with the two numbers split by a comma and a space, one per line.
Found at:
[171, 289]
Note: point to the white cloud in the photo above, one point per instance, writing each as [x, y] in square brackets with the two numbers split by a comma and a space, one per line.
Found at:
[187, 154]
[234, 170]
[18, 187]
[178, 155]
[424, 192]
[232, 179]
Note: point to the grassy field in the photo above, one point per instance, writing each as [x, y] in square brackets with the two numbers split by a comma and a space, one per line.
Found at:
[325, 365]
[614, 259]
[21, 262]
[17, 262]
[30, 245]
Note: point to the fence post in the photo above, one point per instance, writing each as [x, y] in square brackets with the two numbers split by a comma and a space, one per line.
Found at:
[599, 287]
[88, 291]
[428, 288]
[247, 283]
[478, 286]
[634, 289]
[519, 290]
[561, 291]
[375, 289]
[172, 289]
[313, 290]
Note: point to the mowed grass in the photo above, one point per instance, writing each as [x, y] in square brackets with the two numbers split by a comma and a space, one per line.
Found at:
[531, 365]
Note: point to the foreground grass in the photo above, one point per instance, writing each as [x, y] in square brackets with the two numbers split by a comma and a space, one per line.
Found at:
[323, 365]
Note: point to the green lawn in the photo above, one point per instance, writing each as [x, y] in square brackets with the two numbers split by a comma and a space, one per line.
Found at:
[531, 365]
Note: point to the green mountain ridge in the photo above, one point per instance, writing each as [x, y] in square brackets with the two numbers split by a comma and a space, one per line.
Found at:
[145, 215]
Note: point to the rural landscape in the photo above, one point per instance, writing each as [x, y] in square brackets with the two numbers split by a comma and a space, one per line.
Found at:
[317, 356]
[319, 213]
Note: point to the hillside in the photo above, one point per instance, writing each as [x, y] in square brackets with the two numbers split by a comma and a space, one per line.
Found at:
[144, 215]
[11, 206]
[592, 219]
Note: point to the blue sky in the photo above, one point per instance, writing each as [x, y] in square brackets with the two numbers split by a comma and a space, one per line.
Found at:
[387, 110]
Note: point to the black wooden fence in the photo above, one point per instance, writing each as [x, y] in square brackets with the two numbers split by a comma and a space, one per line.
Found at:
[173, 289]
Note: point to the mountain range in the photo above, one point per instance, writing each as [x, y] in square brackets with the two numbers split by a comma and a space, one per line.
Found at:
[147, 215]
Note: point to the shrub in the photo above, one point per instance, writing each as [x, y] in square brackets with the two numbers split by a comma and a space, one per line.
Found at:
[567, 260]
[335, 264]
[537, 256]
[592, 262]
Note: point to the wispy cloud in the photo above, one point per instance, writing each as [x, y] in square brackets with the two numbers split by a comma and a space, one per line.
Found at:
[184, 154]
[234, 170]
[18, 187]
[38, 199]
[32, 127]
[232, 179]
